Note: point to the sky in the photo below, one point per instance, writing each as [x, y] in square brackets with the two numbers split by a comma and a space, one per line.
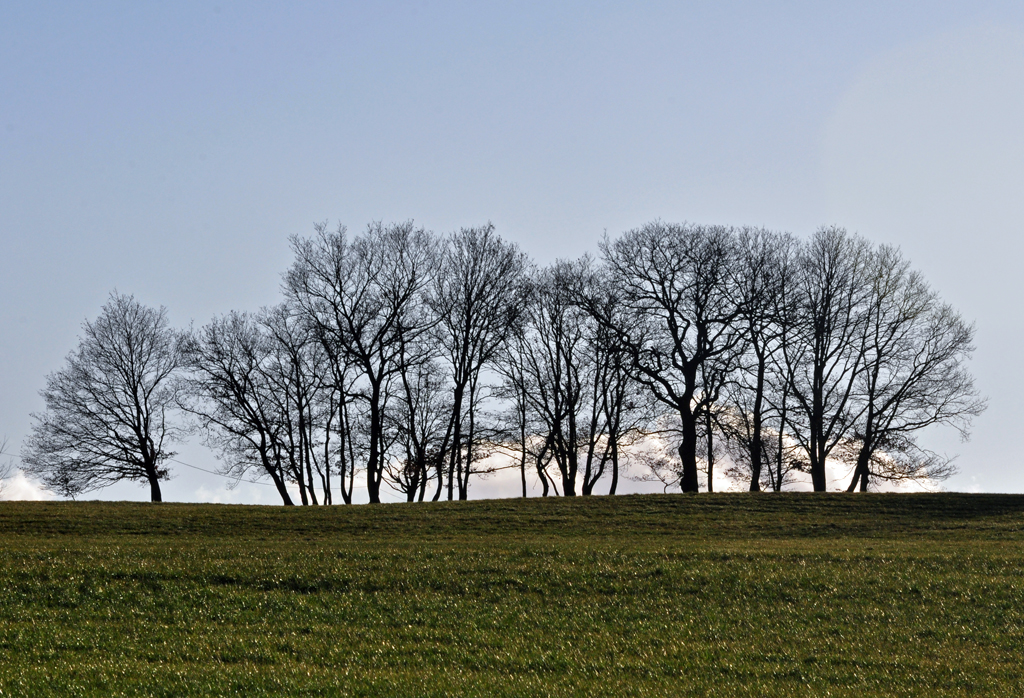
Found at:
[169, 150]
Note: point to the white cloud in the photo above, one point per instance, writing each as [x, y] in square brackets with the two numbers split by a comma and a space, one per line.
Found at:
[19, 487]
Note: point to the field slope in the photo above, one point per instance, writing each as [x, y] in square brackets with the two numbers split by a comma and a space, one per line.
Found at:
[746, 595]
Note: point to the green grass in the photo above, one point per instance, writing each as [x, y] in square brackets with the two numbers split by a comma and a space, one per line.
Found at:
[722, 594]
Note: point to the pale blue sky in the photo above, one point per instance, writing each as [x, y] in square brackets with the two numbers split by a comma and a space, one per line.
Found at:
[168, 150]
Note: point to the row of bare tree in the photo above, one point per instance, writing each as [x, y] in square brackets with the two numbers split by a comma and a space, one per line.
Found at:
[412, 361]
[792, 351]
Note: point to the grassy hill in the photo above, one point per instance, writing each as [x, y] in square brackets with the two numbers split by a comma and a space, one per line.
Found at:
[726, 594]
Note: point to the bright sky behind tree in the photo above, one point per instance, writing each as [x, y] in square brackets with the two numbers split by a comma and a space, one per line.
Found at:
[169, 149]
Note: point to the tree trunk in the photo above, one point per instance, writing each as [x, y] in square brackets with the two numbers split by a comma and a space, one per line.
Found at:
[299, 478]
[756, 444]
[543, 478]
[817, 441]
[589, 472]
[282, 490]
[615, 466]
[345, 454]
[464, 483]
[688, 450]
[325, 479]
[347, 495]
[413, 483]
[569, 475]
[860, 473]
[522, 468]
[154, 489]
[304, 466]
[711, 451]
[424, 477]
[374, 461]
[818, 467]
[780, 454]
[456, 442]
[540, 467]
[866, 449]
[275, 475]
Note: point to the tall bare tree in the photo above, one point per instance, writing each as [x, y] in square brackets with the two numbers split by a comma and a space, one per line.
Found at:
[227, 389]
[569, 379]
[478, 299]
[765, 266]
[914, 375]
[107, 416]
[824, 351]
[366, 298]
[676, 284]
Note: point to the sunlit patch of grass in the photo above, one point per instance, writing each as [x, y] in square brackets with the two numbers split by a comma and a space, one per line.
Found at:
[672, 595]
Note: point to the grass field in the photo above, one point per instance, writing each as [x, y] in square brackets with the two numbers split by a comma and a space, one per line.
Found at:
[726, 594]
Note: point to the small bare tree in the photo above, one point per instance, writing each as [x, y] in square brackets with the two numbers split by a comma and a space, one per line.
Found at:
[107, 410]
[6, 466]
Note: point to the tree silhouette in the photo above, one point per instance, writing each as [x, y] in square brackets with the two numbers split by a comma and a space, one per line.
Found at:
[107, 410]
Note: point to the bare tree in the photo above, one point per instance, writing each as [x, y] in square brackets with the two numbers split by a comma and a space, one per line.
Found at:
[477, 300]
[676, 285]
[715, 377]
[551, 360]
[107, 410]
[625, 408]
[6, 466]
[366, 299]
[307, 402]
[755, 394]
[824, 350]
[418, 426]
[261, 392]
[519, 424]
[568, 376]
[229, 393]
[913, 376]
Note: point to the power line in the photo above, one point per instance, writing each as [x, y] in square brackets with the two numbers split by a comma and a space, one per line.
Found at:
[180, 462]
[214, 472]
